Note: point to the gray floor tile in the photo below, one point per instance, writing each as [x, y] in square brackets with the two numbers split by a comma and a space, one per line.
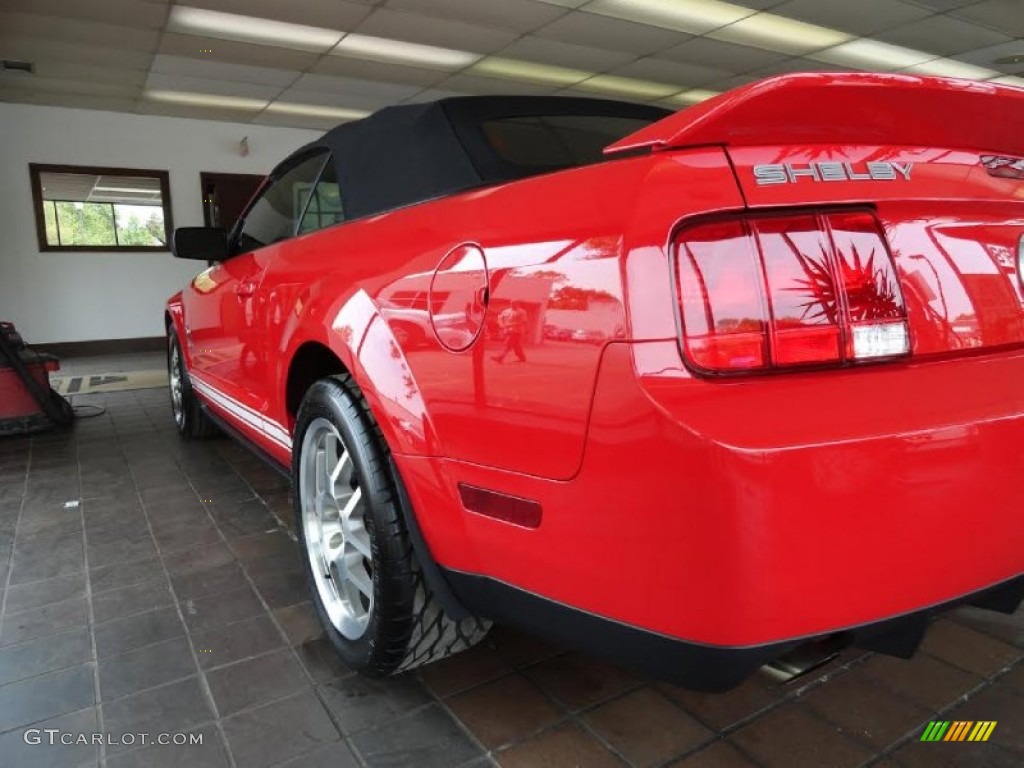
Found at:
[234, 642]
[179, 706]
[209, 753]
[108, 577]
[49, 752]
[255, 681]
[336, 755]
[38, 593]
[198, 584]
[279, 731]
[321, 661]
[45, 654]
[46, 620]
[121, 635]
[137, 670]
[359, 703]
[425, 739]
[46, 696]
[135, 598]
[221, 608]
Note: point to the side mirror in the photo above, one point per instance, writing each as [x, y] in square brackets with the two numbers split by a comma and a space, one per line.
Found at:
[200, 243]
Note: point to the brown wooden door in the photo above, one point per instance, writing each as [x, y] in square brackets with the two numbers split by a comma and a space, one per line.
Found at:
[225, 196]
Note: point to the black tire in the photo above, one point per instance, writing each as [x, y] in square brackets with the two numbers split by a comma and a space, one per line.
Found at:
[192, 422]
[407, 627]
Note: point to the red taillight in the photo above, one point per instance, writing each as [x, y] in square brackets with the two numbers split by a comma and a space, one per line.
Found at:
[781, 291]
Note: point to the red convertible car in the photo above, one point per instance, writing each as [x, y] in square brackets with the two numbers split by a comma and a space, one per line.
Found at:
[792, 418]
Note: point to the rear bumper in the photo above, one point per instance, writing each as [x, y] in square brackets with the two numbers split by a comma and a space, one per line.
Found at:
[758, 513]
[693, 665]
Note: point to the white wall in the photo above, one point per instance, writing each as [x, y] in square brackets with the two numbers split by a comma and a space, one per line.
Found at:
[59, 297]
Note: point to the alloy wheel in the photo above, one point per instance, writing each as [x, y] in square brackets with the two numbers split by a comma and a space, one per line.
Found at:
[334, 527]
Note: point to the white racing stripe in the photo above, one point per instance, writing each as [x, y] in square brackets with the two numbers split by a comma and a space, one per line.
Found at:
[269, 428]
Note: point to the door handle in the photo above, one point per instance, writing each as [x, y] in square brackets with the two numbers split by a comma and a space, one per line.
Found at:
[245, 290]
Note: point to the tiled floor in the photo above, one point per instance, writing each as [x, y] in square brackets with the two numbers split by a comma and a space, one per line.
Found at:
[170, 599]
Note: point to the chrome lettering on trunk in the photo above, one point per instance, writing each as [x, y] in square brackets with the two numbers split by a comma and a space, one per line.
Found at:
[790, 173]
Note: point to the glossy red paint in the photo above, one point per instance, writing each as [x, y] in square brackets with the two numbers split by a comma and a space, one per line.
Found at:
[731, 511]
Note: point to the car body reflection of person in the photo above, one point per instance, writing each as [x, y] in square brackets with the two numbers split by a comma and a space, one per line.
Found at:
[513, 323]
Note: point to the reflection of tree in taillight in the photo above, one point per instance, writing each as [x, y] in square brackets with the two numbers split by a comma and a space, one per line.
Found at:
[781, 291]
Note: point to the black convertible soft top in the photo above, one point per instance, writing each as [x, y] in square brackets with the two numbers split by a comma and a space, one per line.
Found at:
[410, 153]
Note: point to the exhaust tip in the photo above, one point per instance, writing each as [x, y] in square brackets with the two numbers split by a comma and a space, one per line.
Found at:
[805, 658]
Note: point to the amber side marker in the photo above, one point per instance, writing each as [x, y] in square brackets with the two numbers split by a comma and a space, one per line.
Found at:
[510, 509]
[959, 730]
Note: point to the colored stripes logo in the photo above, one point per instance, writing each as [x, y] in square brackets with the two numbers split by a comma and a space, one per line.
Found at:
[958, 730]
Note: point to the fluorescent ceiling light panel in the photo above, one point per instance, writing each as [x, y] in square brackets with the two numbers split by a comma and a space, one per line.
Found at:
[207, 100]
[628, 86]
[400, 52]
[313, 110]
[694, 96]
[779, 34]
[528, 72]
[250, 29]
[1009, 80]
[872, 54]
[693, 16]
[952, 68]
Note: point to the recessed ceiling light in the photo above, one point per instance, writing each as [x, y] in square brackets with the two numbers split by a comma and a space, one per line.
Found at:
[779, 34]
[693, 16]
[399, 52]
[951, 68]
[250, 29]
[314, 110]
[206, 100]
[872, 54]
[628, 86]
[528, 72]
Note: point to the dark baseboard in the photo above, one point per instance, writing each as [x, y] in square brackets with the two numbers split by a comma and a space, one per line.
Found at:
[104, 347]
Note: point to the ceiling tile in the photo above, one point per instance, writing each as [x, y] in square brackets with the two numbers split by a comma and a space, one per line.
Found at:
[38, 50]
[432, 30]
[89, 72]
[584, 94]
[987, 57]
[344, 98]
[543, 51]
[207, 68]
[78, 31]
[194, 112]
[942, 5]
[368, 91]
[672, 72]
[336, 14]
[566, 3]
[727, 56]
[518, 15]
[943, 36]
[432, 94]
[1003, 15]
[294, 121]
[379, 71]
[74, 100]
[189, 84]
[597, 31]
[237, 53]
[492, 86]
[859, 17]
[126, 13]
[61, 85]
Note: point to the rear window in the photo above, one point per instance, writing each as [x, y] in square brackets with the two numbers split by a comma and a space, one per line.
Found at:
[556, 141]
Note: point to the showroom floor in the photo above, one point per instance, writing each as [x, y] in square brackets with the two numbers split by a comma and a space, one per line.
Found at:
[153, 586]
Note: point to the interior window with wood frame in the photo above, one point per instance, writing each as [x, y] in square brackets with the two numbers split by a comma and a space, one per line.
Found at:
[80, 208]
